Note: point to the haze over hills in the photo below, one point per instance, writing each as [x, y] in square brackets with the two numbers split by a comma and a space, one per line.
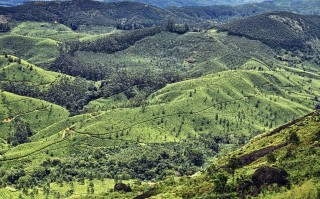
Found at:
[165, 3]
[168, 3]
[128, 100]
[304, 6]
[127, 15]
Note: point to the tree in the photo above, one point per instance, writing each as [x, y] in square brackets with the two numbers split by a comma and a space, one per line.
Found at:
[233, 164]
[317, 107]
[20, 133]
[90, 188]
[316, 136]
[195, 156]
[271, 158]
[170, 25]
[293, 138]
[220, 182]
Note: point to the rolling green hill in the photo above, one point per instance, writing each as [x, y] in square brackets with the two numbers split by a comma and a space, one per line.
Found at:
[36, 50]
[238, 104]
[191, 54]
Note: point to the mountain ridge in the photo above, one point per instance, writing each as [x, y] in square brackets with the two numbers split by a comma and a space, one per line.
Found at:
[156, 2]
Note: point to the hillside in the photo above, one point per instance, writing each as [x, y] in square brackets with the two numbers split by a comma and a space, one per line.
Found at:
[292, 149]
[277, 29]
[170, 3]
[222, 12]
[133, 15]
[90, 13]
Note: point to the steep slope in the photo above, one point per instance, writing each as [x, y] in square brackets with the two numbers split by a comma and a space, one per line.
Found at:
[294, 148]
[35, 114]
[22, 78]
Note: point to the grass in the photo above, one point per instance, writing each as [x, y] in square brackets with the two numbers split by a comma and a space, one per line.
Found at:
[39, 114]
[38, 42]
[25, 73]
[38, 51]
[191, 54]
[104, 188]
[53, 31]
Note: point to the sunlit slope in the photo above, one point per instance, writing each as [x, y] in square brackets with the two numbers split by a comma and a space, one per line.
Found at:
[298, 157]
[190, 54]
[36, 113]
[233, 104]
[14, 69]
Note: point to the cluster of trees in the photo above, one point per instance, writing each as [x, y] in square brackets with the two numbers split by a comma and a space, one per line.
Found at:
[153, 161]
[112, 43]
[67, 92]
[75, 93]
[20, 132]
[4, 26]
[137, 85]
[172, 26]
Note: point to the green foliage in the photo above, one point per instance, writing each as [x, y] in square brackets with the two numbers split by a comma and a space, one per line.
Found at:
[317, 135]
[293, 138]
[20, 133]
[220, 182]
[271, 158]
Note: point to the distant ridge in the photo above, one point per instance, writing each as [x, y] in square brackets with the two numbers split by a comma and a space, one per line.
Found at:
[277, 29]
[159, 3]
